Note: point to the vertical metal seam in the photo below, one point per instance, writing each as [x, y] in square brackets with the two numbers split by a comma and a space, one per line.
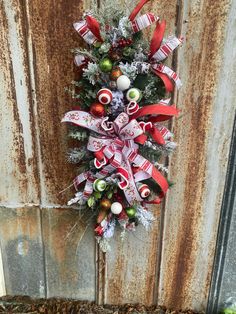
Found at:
[2, 276]
[228, 202]
[38, 153]
[175, 66]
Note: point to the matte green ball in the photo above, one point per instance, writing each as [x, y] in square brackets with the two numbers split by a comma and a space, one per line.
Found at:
[131, 212]
[99, 185]
[105, 65]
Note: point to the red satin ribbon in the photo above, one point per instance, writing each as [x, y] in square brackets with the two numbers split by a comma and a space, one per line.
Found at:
[94, 27]
[160, 179]
[157, 37]
[169, 85]
[137, 9]
[166, 111]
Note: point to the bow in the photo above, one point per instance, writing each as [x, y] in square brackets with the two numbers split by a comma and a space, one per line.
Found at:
[115, 147]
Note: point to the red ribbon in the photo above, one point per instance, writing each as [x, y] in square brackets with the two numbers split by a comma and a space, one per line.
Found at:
[94, 27]
[169, 85]
[157, 37]
[163, 112]
[137, 9]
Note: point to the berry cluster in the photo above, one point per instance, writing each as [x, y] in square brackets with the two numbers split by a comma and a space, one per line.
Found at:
[124, 42]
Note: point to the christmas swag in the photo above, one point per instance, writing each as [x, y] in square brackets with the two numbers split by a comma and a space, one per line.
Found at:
[119, 124]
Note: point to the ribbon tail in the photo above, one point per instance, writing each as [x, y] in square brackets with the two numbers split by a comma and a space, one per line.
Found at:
[157, 136]
[156, 109]
[166, 80]
[94, 27]
[137, 9]
[157, 37]
[160, 180]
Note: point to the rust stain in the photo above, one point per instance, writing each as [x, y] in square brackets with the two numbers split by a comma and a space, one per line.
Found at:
[132, 267]
[19, 222]
[53, 38]
[202, 68]
[18, 157]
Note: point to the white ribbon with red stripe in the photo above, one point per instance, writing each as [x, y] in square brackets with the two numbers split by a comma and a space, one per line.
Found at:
[143, 21]
[169, 72]
[166, 48]
[82, 28]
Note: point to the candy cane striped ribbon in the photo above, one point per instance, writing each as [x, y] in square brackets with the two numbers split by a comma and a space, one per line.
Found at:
[82, 28]
[171, 43]
[169, 72]
[143, 21]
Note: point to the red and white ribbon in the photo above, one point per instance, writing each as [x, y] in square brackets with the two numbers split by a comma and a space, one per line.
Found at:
[166, 48]
[143, 21]
[116, 151]
[161, 68]
[84, 31]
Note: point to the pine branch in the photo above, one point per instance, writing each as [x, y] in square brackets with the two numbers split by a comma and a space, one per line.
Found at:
[78, 135]
[149, 153]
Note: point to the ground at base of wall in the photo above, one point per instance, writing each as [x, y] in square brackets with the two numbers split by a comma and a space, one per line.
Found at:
[23, 305]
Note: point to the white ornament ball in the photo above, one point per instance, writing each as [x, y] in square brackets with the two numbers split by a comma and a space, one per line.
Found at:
[134, 94]
[104, 96]
[123, 82]
[116, 208]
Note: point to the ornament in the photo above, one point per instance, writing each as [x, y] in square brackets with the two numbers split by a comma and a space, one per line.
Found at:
[97, 110]
[105, 204]
[99, 185]
[131, 212]
[99, 230]
[123, 82]
[116, 208]
[134, 94]
[105, 65]
[104, 96]
[144, 190]
[115, 73]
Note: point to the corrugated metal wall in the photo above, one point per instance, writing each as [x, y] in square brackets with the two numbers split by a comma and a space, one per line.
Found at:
[48, 249]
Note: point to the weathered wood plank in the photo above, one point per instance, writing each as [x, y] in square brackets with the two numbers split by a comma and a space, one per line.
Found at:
[22, 251]
[199, 166]
[18, 167]
[69, 254]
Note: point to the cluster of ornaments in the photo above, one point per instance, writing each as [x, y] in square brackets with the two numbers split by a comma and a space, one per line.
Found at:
[120, 82]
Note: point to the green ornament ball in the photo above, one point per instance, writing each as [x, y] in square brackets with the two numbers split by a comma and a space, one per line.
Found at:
[99, 185]
[134, 94]
[131, 212]
[105, 65]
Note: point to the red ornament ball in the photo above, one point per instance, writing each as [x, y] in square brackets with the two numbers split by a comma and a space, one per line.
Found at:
[97, 110]
[104, 96]
[144, 190]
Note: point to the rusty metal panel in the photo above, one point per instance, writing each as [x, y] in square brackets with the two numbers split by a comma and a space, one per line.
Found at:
[22, 251]
[131, 266]
[69, 254]
[19, 180]
[199, 167]
[51, 41]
